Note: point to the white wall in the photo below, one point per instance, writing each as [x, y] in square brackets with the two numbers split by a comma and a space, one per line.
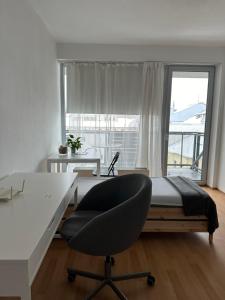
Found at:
[135, 53]
[29, 102]
[195, 55]
[215, 163]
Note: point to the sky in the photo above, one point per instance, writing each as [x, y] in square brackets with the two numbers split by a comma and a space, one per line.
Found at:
[188, 91]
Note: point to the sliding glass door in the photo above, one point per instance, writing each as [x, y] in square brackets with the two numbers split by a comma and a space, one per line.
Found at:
[188, 110]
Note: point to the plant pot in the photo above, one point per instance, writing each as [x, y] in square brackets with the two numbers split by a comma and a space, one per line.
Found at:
[63, 149]
[73, 151]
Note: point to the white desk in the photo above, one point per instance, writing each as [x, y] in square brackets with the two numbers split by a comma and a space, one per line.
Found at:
[90, 156]
[27, 225]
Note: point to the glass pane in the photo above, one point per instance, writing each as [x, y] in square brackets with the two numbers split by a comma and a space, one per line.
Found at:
[187, 124]
[109, 134]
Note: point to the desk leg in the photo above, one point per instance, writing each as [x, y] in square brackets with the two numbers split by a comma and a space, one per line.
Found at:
[64, 167]
[26, 294]
[98, 172]
[15, 280]
[75, 197]
[58, 168]
[49, 167]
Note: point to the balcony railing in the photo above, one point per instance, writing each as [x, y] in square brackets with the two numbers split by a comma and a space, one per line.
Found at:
[185, 150]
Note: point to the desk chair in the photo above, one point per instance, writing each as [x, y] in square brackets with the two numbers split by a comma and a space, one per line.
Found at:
[108, 221]
[110, 171]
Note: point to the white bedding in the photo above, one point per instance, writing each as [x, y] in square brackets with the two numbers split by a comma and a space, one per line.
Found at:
[163, 193]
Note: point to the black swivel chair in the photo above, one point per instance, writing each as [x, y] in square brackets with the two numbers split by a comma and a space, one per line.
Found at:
[107, 221]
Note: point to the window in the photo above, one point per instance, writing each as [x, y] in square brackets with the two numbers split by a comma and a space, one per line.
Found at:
[189, 99]
[109, 133]
[104, 103]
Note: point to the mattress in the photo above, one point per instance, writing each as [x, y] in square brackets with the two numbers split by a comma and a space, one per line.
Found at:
[163, 193]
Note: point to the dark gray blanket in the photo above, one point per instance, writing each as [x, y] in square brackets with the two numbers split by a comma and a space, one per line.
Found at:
[195, 200]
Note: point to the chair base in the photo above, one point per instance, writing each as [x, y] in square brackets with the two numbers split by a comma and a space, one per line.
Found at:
[108, 279]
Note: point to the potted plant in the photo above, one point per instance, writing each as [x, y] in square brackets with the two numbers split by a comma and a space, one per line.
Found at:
[74, 143]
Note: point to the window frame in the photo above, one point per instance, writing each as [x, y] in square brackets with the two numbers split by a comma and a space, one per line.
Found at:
[169, 69]
[63, 103]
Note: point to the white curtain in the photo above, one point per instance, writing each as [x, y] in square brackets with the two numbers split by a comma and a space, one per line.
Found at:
[121, 89]
[103, 107]
[104, 88]
[150, 135]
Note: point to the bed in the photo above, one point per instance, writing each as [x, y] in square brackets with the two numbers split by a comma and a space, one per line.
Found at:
[167, 213]
[172, 206]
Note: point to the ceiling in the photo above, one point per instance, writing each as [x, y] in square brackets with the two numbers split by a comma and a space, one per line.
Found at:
[136, 22]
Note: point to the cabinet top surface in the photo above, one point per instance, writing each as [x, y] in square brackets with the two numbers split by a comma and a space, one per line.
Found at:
[25, 218]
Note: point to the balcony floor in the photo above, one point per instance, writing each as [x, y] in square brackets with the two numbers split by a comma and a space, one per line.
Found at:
[186, 172]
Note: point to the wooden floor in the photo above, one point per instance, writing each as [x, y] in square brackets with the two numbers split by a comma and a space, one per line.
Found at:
[185, 267]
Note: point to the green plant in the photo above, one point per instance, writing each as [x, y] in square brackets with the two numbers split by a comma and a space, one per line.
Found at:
[74, 143]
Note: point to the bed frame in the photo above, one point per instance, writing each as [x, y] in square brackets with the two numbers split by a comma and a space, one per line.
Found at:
[172, 219]
[168, 219]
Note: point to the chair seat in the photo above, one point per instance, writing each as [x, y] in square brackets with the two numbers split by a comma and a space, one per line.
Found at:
[75, 222]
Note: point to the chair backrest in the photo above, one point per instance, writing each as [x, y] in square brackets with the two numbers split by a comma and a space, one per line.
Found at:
[125, 203]
[111, 166]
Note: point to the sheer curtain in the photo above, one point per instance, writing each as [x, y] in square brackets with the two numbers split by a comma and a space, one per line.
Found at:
[104, 88]
[150, 135]
[118, 107]
[103, 107]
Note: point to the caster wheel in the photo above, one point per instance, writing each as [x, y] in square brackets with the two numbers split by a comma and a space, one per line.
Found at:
[112, 261]
[150, 280]
[71, 277]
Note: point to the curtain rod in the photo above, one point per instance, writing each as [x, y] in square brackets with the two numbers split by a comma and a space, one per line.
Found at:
[64, 61]
[103, 61]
